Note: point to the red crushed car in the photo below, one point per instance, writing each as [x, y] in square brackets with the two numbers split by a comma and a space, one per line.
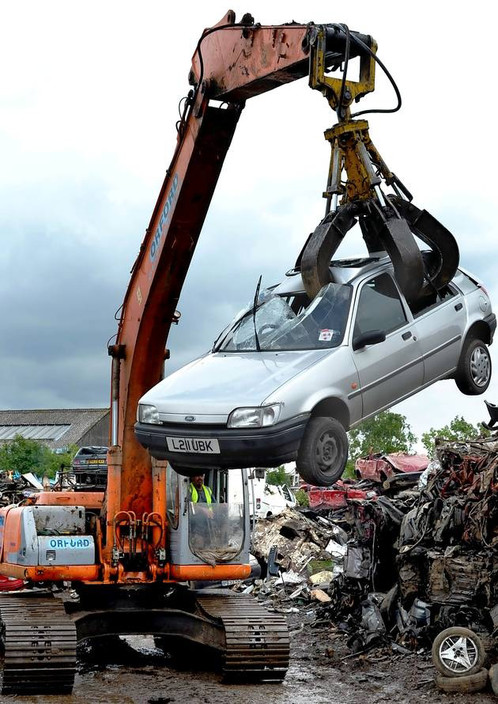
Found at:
[10, 584]
[337, 496]
[379, 468]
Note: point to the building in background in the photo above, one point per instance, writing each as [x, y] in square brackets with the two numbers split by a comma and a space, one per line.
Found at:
[57, 429]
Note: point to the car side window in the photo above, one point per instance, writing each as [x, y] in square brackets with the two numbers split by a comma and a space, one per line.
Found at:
[431, 300]
[379, 307]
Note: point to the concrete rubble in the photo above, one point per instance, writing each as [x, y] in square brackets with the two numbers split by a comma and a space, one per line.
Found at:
[393, 568]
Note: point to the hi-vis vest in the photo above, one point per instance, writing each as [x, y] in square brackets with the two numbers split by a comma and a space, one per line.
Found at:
[195, 495]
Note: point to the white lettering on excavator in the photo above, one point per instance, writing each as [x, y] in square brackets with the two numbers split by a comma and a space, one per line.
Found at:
[154, 247]
[69, 543]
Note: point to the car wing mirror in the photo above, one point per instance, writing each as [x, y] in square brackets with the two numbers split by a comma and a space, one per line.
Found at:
[372, 337]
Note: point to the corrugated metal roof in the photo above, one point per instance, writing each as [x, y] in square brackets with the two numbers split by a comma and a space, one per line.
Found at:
[72, 424]
[33, 432]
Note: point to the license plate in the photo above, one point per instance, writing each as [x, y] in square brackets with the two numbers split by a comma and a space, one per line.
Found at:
[97, 461]
[197, 445]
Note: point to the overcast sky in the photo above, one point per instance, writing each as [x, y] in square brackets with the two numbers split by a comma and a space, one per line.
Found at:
[88, 105]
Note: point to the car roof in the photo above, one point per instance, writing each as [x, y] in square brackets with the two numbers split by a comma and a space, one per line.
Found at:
[92, 450]
[343, 271]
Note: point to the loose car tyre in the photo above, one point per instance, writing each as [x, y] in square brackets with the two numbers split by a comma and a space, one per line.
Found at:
[323, 452]
[470, 683]
[493, 678]
[458, 652]
[473, 373]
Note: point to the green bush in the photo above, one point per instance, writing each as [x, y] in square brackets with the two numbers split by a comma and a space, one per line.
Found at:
[278, 476]
[302, 498]
[24, 455]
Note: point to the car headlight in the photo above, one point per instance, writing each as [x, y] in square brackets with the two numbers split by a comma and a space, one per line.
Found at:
[259, 417]
[147, 414]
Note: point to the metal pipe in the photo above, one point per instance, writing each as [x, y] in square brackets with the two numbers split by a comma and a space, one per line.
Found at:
[115, 399]
[380, 196]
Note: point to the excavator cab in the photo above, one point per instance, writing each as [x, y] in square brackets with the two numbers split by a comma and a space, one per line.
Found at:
[209, 538]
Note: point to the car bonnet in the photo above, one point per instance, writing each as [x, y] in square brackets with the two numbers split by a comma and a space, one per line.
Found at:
[217, 383]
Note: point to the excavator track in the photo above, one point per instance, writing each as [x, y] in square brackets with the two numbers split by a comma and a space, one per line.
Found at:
[39, 642]
[257, 640]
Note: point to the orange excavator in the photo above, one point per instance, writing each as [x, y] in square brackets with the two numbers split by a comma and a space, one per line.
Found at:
[127, 560]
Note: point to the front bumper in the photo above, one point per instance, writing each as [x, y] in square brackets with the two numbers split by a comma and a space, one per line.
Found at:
[239, 448]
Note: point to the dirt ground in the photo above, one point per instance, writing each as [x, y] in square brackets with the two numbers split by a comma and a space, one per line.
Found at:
[322, 669]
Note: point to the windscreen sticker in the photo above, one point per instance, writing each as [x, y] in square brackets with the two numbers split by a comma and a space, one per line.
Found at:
[326, 335]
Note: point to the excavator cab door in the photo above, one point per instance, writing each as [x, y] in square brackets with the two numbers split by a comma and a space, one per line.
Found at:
[210, 531]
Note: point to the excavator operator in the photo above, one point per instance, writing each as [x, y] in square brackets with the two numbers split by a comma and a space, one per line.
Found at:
[201, 514]
[199, 492]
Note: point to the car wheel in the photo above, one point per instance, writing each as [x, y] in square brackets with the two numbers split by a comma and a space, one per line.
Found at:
[470, 683]
[473, 373]
[457, 652]
[323, 451]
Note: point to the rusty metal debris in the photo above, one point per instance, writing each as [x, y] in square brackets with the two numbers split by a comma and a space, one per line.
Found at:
[16, 488]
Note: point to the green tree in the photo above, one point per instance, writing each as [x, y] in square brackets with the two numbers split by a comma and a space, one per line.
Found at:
[59, 461]
[386, 432]
[278, 476]
[24, 455]
[458, 429]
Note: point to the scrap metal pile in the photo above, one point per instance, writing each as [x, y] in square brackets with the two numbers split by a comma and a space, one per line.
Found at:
[16, 488]
[396, 569]
[447, 543]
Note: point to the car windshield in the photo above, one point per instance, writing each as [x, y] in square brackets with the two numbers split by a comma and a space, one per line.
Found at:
[290, 322]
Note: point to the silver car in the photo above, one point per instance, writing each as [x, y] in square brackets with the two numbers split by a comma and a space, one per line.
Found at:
[289, 376]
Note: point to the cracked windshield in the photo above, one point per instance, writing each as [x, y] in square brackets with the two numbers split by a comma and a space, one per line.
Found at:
[290, 322]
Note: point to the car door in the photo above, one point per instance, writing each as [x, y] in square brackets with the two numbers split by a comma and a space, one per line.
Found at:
[440, 324]
[392, 369]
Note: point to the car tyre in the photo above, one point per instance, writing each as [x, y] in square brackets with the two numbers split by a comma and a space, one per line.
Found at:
[323, 452]
[458, 652]
[470, 683]
[473, 373]
[493, 678]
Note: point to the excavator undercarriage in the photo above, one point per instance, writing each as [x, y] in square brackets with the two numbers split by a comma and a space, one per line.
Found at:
[41, 631]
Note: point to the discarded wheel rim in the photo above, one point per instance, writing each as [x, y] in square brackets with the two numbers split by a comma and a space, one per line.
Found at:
[459, 653]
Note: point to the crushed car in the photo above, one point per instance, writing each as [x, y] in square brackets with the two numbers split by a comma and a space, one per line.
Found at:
[289, 376]
[395, 469]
